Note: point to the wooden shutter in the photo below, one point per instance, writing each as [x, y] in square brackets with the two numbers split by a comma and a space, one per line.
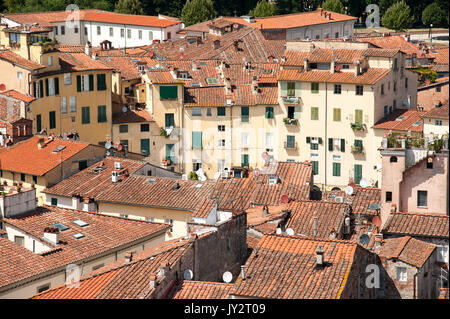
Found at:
[342, 145]
[357, 173]
[38, 123]
[78, 83]
[41, 87]
[91, 82]
[330, 144]
[56, 86]
[52, 119]
[168, 92]
[101, 82]
[46, 88]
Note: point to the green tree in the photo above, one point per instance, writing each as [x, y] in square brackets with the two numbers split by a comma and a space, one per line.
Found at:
[263, 9]
[433, 14]
[398, 17]
[129, 7]
[385, 4]
[197, 11]
[333, 5]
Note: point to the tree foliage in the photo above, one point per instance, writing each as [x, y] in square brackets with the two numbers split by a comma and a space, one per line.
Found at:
[333, 5]
[129, 7]
[196, 11]
[263, 9]
[433, 14]
[398, 17]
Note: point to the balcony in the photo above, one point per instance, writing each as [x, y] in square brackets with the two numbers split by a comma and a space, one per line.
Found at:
[358, 126]
[290, 100]
[290, 122]
[290, 146]
[357, 149]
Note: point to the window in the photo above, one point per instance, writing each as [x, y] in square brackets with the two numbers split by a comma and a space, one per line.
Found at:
[129, 33]
[85, 83]
[101, 82]
[314, 113]
[123, 128]
[337, 115]
[169, 120]
[315, 167]
[244, 160]
[244, 114]
[99, 31]
[52, 119]
[357, 173]
[221, 111]
[291, 89]
[359, 90]
[63, 30]
[382, 89]
[208, 112]
[245, 139]
[168, 92]
[358, 116]
[269, 112]
[336, 169]
[196, 111]
[145, 127]
[85, 31]
[85, 115]
[145, 146]
[401, 274]
[221, 142]
[19, 240]
[442, 254]
[290, 141]
[122, 33]
[314, 146]
[54, 201]
[395, 86]
[101, 116]
[35, 179]
[422, 198]
[394, 104]
[67, 79]
[150, 219]
[388, 197]
[63, 105]
[336, 35]
[220, 165]
[140, 34]
[196, 140]
[395, 64]
[170, 152]
[337, 89]
[314, 87]
[111, 32]
[291, 112]
[345, 66]
[73, 104]
[269, 140]
[43, 288]
[19, 75]
[221, 128]
[98, 266]
[393, 159]
[38, 123]
[438, 89]
[438, 122]
[56, 30]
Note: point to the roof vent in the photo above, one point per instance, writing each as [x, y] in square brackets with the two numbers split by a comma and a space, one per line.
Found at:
[58, 149]
[52, 234]
[319, 256]
[117, 165]
[114, 176]
[176, 185]
[128, 257]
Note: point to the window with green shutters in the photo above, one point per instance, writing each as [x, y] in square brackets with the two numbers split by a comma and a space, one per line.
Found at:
[291, 89]
[336, 169]
[170, 120]
[244, 114]
[337, 115]
[91, 82]
[357, 174]
[38, 123]
[342, 145]
[168, 92]
[221, 111]
[52, 119]
[101, 82]
[314, 113]
[358, 116]
[314, 87]
[145, 146]
[170, 152]
[79, 79]
[330, 144]
[269, 112]
[85, 115]
[315, 167]
[41, 88]
[46, 87]
[101, 113]
[197, 140]
[244, 160]
[56, 83]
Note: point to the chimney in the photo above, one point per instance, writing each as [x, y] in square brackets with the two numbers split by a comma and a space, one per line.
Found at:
[52, 234]
[333, 66]
[254, 85]
[114, 176]
[305, 63]
[164, 268]
[216, 44]
[265, 211]
[319, 256]
[378, 240]
[88, 49]
[153, 283]
[312, 47]
[128, 257]
[242, 272]
[321, 11]
[333, 234]
[41, 143]
[315, 227]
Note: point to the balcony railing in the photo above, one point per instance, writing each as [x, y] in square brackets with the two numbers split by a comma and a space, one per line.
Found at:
[289, 121]
[290, 146]
[290, 99]
[357, 149]
[358, 126]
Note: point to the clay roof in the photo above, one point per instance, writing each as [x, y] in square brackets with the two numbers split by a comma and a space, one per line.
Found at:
[19, 96]
[438, 112]
[284, 267]
[25, 157]
[293, 20]
[162, 77]
[203, 70]
[103, 234]
[126, 65]
[394, 42]
[440, 54]
[132, 116]
[32, 29]
[16, 59]
[94, 179]
[407, 249]
[364, 200]
[417, 225]
[330, 216]
[80, 62]
[46, 18]
[402, 120]
[121, 280]
[189, 289]
[428, 97]
[209, 96]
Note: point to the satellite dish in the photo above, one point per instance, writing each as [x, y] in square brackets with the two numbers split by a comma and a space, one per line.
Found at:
[216, 176]
[188, 274]
[124, 109]
[349, 190]
[108, 145]
[290, 232]
[108, 153]
[227, 276]
[278, 231]
[376, 221]
[284, 199]
[363, 182]
[200, 171]
[364, 239]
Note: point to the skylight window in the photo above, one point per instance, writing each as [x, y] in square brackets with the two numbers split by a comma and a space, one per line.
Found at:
[78, 235]
[400, 118]
[417, 123]
[61, 227]
[202, 63]
[212, 81]
[195, 84]
[151, 181]
[80, 223]
[198, 185]
[59, 149]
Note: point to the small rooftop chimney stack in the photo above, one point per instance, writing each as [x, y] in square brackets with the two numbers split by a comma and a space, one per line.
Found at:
[114, 176]
[265, 211]
[52, 234]
[128, 257]
[88, 49]
[319, 256]
[153, 281]
[315, 227]
[243, 272]
[164, 268]
[305, 64]
[378, 240]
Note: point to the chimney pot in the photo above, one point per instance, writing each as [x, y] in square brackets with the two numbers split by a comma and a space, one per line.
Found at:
[128, 257]
[265, 211]
[242, 272]
[153, 281]
[52, 234]
[315, 227]
[319, 256]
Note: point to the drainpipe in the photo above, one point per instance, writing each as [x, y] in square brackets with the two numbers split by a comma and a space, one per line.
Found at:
[415, 285]
[325, 138]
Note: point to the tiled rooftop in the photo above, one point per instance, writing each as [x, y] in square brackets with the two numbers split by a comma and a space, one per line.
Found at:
[417, 225]
[440, 112]
[284, 267]
[19, 96]
[407, 249]
[189, 289]
[364, 200]
[16, 59]
[132, 116]
[402, 120]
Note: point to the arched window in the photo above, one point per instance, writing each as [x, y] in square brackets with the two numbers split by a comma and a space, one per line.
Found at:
[335, 189]
[393, 159]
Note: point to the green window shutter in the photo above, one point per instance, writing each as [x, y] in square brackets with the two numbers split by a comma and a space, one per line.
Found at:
[91, 82]
[330, 144]
[358, 116]
[46, 87]
[101, 116]
[41, 88]
[221, 111]
[342, 145]
[269, 112]
[357, 173]
[290, 141]
[85, 115]
[170, 152]
[38, 123]
[283, 88]
[291, 89]
[308, 139]
[358, 143]
[145, 146]
[52, 119]
[197, 140]
[337, 115]
[170, 120]
[78, 83]
[244, 114]
[320, 140]
[336, 169]
[314, 113]
[244, 161]
[315, 167]
[101, 82]
[56, 86]
[168, 92]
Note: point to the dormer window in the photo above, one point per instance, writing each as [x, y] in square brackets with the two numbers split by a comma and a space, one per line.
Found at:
[183, 75]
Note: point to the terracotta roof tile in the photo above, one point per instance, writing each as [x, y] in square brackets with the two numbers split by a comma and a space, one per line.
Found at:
[19, 96]
[209, 96]
[132, 116]
[429, 97]
[402, 120]
[80, 62]
[440, 54]
[16, 59]
[438, 112]
[417, 225]
[162, 77]
[364, 200]
[407, 249]
[202, 290]
[395, 42]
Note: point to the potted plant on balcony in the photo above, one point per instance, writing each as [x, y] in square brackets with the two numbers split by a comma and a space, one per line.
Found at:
[163, 132]
[193, 176]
